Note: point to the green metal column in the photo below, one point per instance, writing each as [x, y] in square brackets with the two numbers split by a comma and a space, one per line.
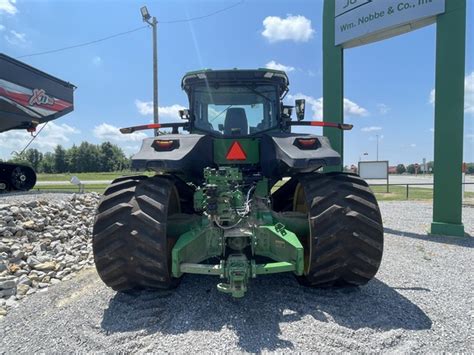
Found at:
[449, 117]
[333, 82]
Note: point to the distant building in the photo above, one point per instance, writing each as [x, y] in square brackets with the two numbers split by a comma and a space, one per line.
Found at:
[392, 169]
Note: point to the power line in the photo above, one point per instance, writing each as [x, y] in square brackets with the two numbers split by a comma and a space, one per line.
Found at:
[128, 32]
[83, 44]
[204, 16]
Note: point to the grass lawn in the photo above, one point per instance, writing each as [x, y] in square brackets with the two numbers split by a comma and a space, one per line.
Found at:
[396, 193]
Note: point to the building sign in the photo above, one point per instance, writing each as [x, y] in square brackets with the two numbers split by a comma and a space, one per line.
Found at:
[373, 169]
[363, 21]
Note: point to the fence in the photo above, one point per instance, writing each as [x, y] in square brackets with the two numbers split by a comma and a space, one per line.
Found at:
[101, 187]
[407, 186]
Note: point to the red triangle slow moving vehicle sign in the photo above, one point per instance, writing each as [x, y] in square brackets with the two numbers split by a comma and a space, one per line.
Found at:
[236, 152]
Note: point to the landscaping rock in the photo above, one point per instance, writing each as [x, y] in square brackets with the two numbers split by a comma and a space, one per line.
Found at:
[42, 242]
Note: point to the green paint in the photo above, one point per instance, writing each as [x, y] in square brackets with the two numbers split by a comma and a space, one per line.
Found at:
[251, 147]
[333, 83]
[221, 197]
[448, 229]
[449, 119]
[262, 188]
[237, 271]
[195, 246]
[280, 244]
[274, 268]
[202, 269]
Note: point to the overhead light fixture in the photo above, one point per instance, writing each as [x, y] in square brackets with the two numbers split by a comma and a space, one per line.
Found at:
[145, 14]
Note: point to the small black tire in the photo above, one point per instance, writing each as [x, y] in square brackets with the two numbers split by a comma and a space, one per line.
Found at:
[130, 244]
[345, 244]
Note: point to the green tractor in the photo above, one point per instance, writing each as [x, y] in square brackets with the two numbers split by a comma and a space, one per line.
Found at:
[240, 196]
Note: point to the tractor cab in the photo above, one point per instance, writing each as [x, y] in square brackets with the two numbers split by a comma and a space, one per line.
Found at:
[235, 103]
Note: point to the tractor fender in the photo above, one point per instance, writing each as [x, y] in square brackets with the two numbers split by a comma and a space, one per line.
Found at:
[280, 154]
[190, 154]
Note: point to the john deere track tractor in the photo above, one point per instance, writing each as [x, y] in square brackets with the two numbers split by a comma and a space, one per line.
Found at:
[238, 197]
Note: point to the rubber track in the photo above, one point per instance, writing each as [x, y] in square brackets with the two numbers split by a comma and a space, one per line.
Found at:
[129, 235]
[346, 230]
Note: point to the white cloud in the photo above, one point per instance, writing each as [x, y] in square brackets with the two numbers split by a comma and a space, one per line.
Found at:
[52, 135]
[432, 96]
[292, 28]
[171, 112]
[277, 66]
[351, 109]
[468, 94]
[383, 109]
[107, 132]
[144, 107]
[97, 61]
[412, 145]
[2, 28]
[470, 136]
[15, 38]
[371, 129]
[8, 7]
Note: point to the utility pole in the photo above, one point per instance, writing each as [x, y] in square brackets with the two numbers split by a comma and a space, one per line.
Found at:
[377, 147]
[154, 25]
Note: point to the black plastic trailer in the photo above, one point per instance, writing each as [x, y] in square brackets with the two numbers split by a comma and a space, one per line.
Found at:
[28, 97]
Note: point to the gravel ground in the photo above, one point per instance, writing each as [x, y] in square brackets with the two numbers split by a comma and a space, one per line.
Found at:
[19, 197]
[420, 301]
[43, 240]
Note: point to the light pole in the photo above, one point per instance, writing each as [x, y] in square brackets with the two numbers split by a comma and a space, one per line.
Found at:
[377, 147]
[153, 23]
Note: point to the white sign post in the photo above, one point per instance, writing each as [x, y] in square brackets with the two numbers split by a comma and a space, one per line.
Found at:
[360, 22]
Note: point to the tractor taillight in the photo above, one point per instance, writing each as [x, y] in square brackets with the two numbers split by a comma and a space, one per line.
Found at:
[165, 145]
[306, 143]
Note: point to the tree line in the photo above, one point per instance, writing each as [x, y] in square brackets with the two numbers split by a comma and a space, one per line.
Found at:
[84, 158]
[412, 169]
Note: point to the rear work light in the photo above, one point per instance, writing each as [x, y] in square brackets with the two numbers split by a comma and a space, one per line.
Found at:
[307, 143]
[162, 145]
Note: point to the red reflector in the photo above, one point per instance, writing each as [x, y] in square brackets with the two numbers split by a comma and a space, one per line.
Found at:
[236, 152]
[164, 145]
[307, 143]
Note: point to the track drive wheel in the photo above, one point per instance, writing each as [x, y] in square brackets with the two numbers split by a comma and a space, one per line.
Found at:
[130, 243]
[345, 242]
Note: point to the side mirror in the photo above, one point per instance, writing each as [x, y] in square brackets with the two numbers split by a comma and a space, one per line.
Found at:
[220, 126]
[184, 114]
[286, 111]
[299, 109]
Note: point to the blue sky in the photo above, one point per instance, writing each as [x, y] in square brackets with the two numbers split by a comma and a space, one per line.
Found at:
[387, 84]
